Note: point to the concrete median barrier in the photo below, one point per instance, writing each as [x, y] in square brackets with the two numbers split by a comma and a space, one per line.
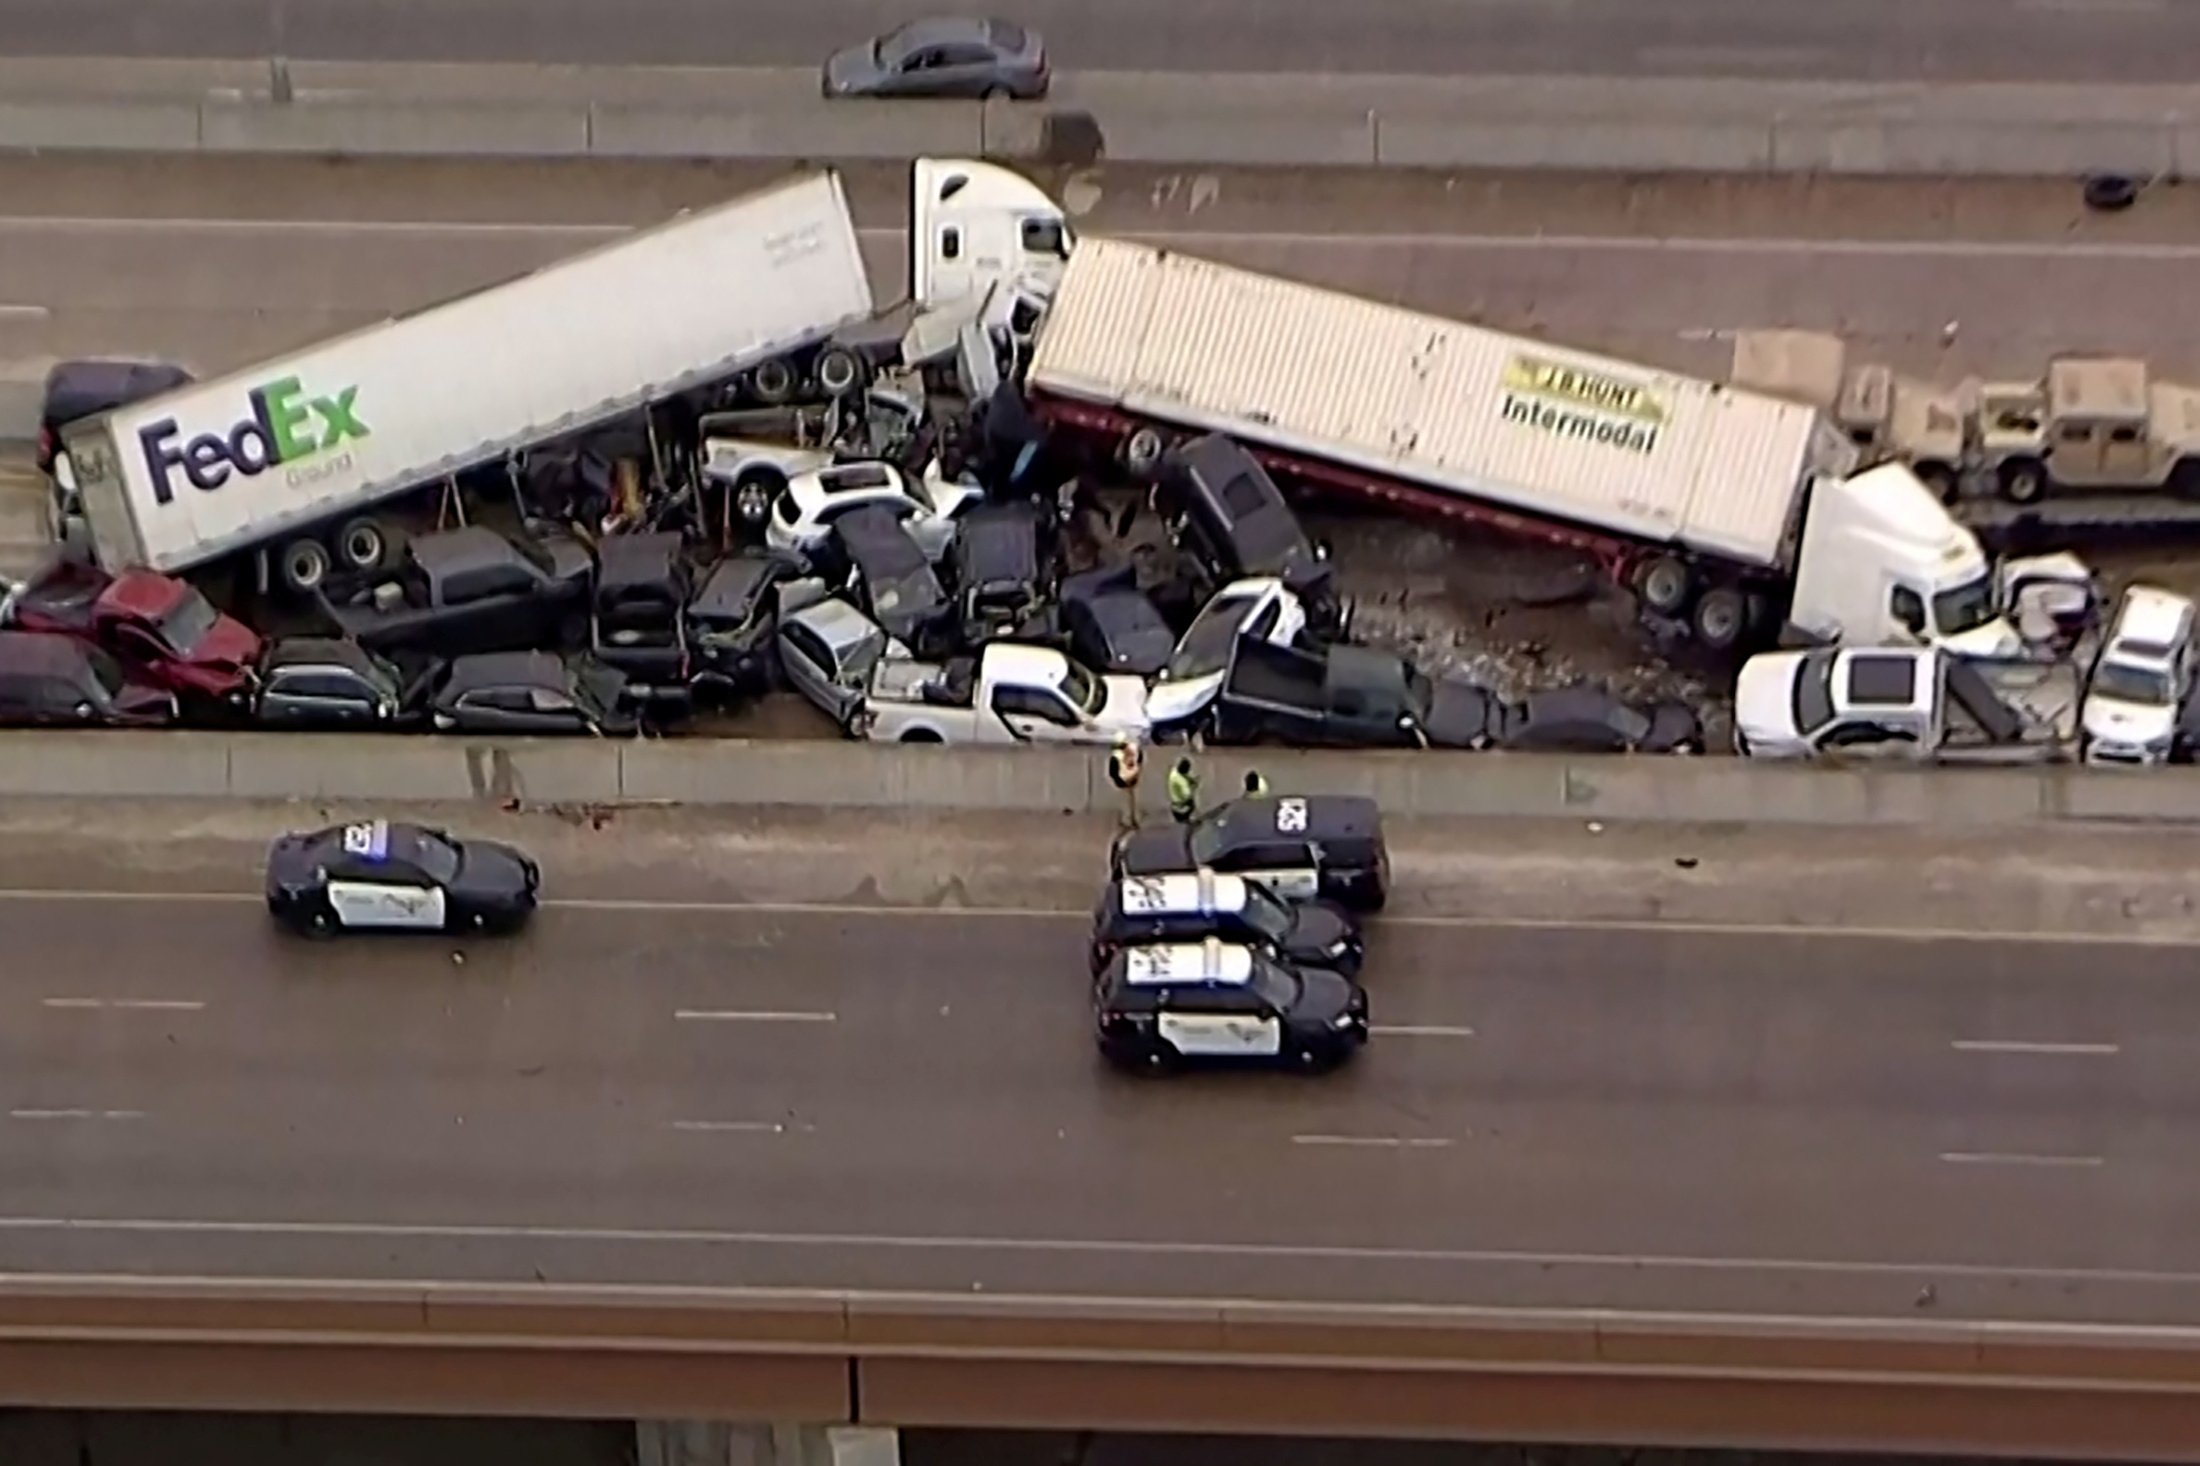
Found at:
[1601, 124]
[801, 773]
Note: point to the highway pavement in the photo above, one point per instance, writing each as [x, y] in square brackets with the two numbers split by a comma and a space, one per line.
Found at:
[1880, 40]
[219, 262]
[656, 1087]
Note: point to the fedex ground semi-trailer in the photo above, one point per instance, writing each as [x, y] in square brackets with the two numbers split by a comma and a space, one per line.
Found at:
[288, 459]
[1721, 508]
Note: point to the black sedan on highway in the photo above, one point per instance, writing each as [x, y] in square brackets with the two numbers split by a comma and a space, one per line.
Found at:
[385, 875]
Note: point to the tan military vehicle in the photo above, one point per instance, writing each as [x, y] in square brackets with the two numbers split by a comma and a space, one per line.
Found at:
[2093, 425]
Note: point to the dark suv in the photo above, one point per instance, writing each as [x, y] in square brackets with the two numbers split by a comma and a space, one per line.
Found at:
[1234, 519]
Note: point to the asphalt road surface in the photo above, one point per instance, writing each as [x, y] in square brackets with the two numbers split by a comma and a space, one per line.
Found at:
[828, 1095]
[220, 262]
[2104, 41]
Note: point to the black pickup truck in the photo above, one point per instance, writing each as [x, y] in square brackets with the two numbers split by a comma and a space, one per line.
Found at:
[1345, 696]
[466, 591]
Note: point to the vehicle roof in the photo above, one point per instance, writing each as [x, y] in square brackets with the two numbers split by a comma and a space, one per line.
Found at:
[2149, 623]
[838, 620]
[943, 30]
[624, 560]
[393, 839]
[505, 669]
[469, 544]
[874, 535]
[42, 653]
[842, 480]
[1212, 961]
[1331, 816]
[84, 388]
[1034, 666]
[319, 651]
[1883, 677]
[1185, 892]
[733, 583]
[999, 542]
[144, 592]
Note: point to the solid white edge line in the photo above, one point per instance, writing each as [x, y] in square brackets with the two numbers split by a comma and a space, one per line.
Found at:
[1420, 1030]
[741, 1127]
[727, 1015]
[1387, 1142]
[26, 895]
[75, 1114]
[2026, 1046]
[2020, 1158]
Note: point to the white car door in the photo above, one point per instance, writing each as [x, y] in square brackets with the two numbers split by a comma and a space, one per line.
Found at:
[391, 905]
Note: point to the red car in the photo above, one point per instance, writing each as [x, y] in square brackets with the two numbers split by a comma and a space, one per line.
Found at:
[159, 626]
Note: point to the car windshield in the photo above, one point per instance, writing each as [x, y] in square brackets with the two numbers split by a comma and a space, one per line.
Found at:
[1085, 692]
[2121, 682]
[1265, 914]
[1207, 839]
[1208, 642]
[106, 671]
[437, 857]
[187, 622]
[1814, 692]
[1964, 608]
[1277, 988]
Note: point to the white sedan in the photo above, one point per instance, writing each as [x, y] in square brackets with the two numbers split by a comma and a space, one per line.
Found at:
[803, 518]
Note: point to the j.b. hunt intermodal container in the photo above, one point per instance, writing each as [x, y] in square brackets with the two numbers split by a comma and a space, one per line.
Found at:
[273, 450]
[1442, 409]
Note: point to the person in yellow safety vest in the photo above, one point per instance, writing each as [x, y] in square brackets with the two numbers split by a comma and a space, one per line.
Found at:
[1183, 792]
[1255, 786]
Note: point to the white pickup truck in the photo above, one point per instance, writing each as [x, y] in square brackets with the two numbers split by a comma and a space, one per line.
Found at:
[1905, 704]
[1011, 693]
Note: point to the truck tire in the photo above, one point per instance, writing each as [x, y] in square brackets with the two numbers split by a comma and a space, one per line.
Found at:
[2023, 481]
[1663, 582]
[773, 383]
[1720, 618]
[1142, 453]
[362, 545]
[302, 566]
[839, 371]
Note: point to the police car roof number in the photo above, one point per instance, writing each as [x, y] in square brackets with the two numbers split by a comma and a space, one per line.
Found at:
[368, 841]
[1291, 816]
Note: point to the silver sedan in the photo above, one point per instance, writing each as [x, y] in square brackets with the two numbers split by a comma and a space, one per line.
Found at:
[954, 56]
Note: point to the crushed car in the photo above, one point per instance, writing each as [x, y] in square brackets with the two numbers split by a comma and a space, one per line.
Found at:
[464, 591]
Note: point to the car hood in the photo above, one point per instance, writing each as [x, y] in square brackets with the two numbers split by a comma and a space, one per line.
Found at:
[1764, 699]
[496, 869]
[852, 66]
[2114, 721]
[1159, 848]
[1127, 709]
[1325, 997]
[1169, 701]
[231, 645]
[1321, 928]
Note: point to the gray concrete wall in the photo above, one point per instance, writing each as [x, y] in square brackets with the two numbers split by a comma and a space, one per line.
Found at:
[1071, 781]
[1604, 124]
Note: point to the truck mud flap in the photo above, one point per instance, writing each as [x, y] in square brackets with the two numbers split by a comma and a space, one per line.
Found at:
[1971, 691]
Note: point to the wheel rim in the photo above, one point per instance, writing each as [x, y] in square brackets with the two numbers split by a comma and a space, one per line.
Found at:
[753, 501]
[305, 565]
[1664, 584]
[363, 546]
[1719, 618]
[836, 373]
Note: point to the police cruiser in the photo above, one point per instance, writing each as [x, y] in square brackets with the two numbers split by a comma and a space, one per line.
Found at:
[1142, 910]
[1162, 1007]
[1301, 847]
[385, 876]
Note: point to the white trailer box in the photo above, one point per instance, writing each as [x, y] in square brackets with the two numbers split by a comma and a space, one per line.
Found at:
[1447, 408]
[290, 444]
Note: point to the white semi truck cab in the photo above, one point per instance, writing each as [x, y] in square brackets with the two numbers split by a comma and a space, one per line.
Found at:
[1881, 562]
